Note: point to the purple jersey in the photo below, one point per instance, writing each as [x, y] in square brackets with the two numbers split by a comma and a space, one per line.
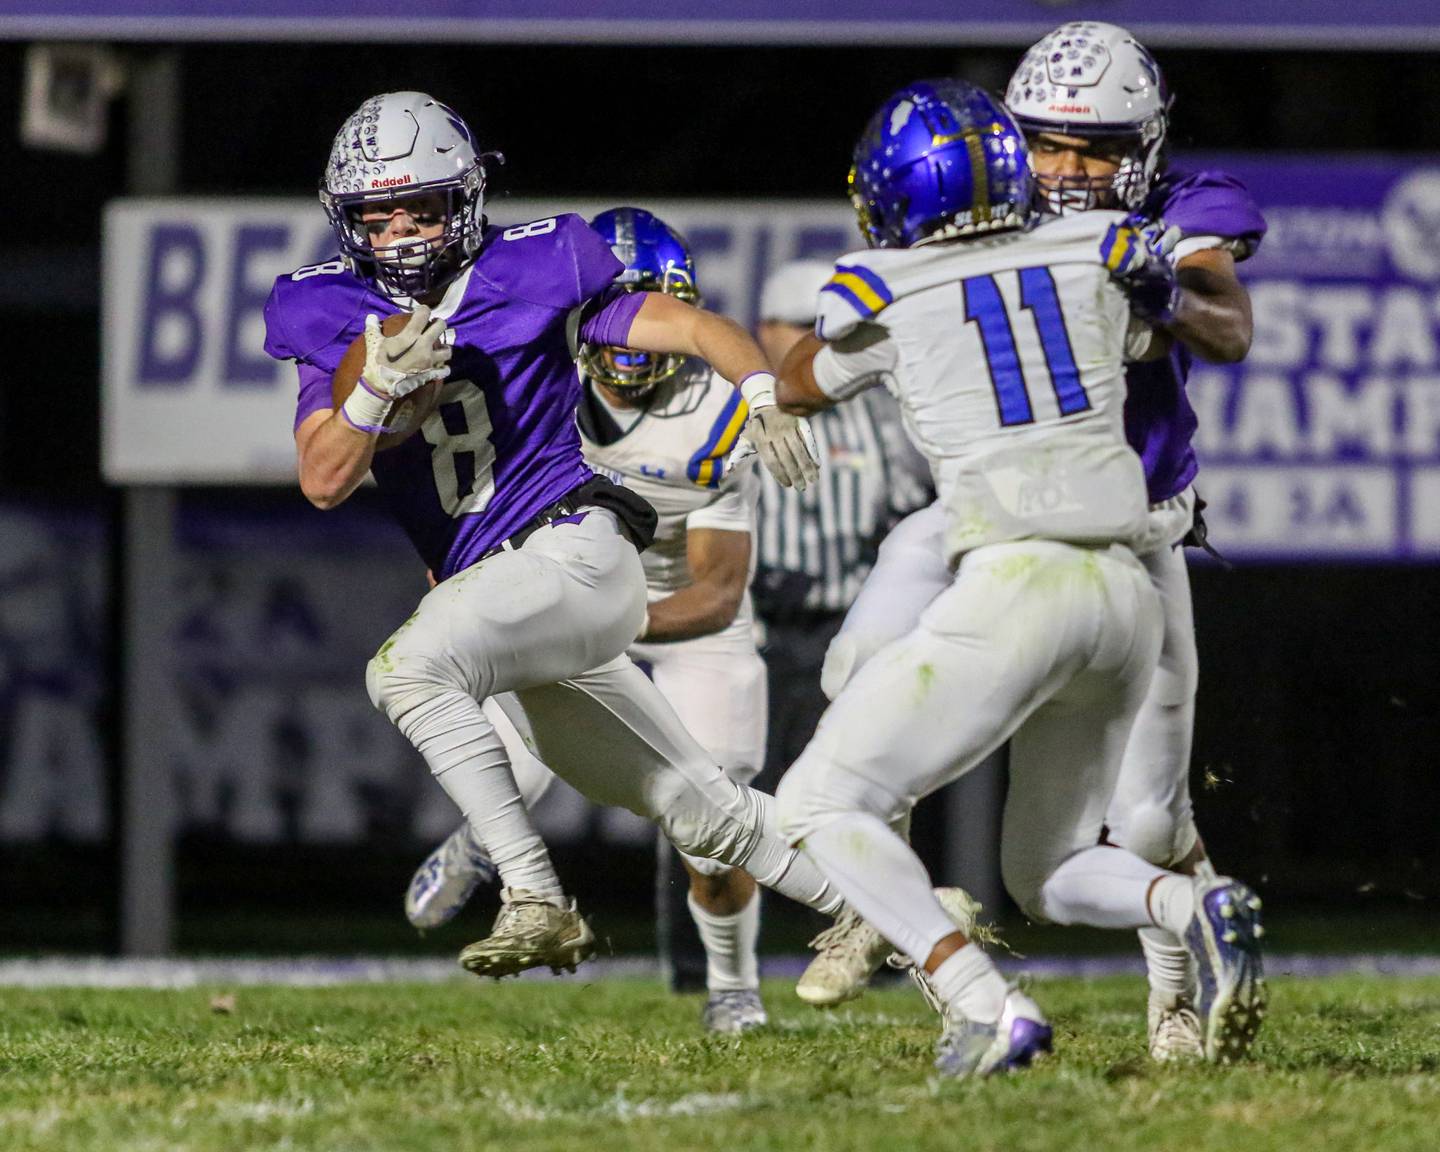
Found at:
[1159, 422]
[502, 445]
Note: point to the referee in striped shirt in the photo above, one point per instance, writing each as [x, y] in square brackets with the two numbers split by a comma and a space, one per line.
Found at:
[816, 547]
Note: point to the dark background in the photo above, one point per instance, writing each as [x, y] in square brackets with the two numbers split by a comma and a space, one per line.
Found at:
[1319, 691]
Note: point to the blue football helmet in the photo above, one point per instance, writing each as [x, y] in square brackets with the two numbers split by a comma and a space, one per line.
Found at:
[657, 259]
[941, 159]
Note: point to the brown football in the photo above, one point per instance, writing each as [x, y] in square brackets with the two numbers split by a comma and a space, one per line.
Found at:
[411, 412]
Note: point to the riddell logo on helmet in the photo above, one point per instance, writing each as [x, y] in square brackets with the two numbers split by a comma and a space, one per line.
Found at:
[391, 181]
[1078, 109]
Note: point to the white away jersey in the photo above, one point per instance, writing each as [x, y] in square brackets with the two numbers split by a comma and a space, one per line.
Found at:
[1007, 355]
[674, 455]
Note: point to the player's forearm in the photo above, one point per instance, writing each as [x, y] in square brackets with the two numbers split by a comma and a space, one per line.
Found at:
[665, 324]
[727, 347]
[334, 459]
[1213, 319]
[796, 391]
[698, 610]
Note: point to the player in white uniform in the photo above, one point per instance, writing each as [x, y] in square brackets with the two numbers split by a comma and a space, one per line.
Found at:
[1098, 144]
[1005, 346]
[666, 425]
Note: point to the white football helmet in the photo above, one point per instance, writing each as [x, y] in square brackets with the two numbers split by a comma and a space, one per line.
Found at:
[1093, 79]
[394, 145]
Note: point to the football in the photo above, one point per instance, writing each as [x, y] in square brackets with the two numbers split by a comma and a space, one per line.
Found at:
[410, 413]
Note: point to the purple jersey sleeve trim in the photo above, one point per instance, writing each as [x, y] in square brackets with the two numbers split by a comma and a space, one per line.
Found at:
[610, 315]
[314, 392]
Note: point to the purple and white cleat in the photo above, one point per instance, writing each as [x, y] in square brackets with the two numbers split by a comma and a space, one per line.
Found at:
[447, 879]
[1224, 938]
[970, 1049]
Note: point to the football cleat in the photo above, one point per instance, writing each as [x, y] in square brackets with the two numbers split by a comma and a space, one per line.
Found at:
[447, 879]
[1224, 939]
[850, 951]
[968, 1048]
[847, 955]
[530, 932]
[1174, 1030]
[964, 909]
[740, 1010]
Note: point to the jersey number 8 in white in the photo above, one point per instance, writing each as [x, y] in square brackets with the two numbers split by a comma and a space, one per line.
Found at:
[534, 228]
[462, 458]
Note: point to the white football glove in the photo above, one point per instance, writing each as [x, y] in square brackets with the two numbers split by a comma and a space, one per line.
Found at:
[785, 444]
[395, 366]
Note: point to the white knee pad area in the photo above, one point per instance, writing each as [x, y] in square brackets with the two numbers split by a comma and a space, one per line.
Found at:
[814, 793]
[702, 829]
[1150, 832]
[707, 867]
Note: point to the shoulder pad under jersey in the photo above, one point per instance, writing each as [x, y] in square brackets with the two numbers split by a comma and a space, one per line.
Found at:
[1208, 203]
[314, 313]
[865, 283]
[855, 293]
[557, 262]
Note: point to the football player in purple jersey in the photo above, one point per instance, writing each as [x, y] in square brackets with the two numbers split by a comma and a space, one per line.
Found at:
[539, 588]
[1095, 109]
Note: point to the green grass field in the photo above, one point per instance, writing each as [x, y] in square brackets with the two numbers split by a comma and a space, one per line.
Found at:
[1347, 1063]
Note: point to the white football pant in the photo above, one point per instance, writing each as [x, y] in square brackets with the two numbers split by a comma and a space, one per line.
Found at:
[1151, 813]
[1048, 645]
[715, 683]
[550, 622]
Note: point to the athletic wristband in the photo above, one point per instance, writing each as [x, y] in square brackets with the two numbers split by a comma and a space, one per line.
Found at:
[758, 388]
[366, 410]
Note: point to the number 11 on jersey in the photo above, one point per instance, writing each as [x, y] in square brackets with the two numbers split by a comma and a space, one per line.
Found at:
[985, 308]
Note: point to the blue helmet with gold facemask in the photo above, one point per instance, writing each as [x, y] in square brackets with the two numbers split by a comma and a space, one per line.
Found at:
[940, 159]
[657, 259]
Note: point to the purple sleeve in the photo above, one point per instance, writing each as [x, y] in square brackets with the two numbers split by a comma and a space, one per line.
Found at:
[558, 265]
[608, 319]
[314, 392]
[1211, 203]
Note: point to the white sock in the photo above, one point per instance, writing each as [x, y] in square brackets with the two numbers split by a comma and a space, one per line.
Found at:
[730, 961]
[1103, 887]
[1172, 903]
[883, 880]
[970, 985]
[467, 757]
[1168, 965]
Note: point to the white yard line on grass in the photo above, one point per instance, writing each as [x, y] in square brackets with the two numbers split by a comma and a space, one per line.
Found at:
[317, 971]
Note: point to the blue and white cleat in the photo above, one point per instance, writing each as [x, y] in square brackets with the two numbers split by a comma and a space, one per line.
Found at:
[447, 879]
[968, 1049]
[1224, 938]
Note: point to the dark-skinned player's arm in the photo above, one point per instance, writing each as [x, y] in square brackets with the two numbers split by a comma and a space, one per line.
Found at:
[719, 562]
[1213, 318]
[817, 374]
